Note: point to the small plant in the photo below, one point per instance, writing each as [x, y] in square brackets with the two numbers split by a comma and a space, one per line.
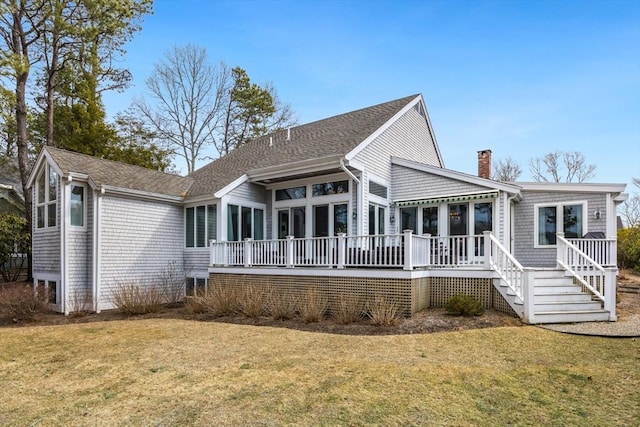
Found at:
[312, 306]
[464, 305]
[80, 304]
[278, 305]
[349, 308]
[137, 298]
[19, 303]
[383, 312]
[252, 301]
[172, 283]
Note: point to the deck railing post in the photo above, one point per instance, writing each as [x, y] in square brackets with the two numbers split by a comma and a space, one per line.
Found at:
[612, 251]
[248, 253]
[428, 249]
[289, 252]
[561, 248]
[213, 256]
[342, 243]
[408, 250]
[528, 295]
[486, 241]
[610, 292]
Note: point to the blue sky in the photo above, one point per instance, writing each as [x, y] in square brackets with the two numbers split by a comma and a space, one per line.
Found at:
[521, 78]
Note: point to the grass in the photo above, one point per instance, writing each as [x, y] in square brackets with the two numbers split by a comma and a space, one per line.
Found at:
[178, 372]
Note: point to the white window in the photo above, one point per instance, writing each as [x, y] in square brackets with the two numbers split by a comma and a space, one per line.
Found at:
[195, 286]
[77, 206]
[47, 198]
[244, 222]
[200, 225]
[562, 217]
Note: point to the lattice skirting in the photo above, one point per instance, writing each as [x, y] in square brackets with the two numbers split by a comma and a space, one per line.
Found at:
[411, 295]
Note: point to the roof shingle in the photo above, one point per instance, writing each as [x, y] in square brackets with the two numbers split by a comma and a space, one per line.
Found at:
[121, 175]
[333, 136]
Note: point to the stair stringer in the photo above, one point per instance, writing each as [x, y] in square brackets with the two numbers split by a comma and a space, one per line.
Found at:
[514, 301]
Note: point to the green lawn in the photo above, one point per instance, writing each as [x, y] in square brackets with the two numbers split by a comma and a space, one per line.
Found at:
[178, 372]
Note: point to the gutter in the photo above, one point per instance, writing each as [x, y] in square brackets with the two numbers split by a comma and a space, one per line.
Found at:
[348, 172]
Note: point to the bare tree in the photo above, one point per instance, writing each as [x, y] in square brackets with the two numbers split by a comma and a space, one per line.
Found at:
[196, 105]
[559, 166]
[630, 210]
[506, 170]
[189, 94]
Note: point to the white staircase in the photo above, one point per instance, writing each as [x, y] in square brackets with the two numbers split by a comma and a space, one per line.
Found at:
[558, 300]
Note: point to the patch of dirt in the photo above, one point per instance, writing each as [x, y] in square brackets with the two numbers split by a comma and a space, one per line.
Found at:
[426, 321]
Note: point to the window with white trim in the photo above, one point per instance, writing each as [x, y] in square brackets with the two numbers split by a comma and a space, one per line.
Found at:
[200, 224]
[567, 218]
[47, 198]
[77, 206]
[195, 286]
[244, 222]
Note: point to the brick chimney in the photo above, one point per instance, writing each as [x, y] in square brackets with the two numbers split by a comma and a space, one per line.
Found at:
[484, 164]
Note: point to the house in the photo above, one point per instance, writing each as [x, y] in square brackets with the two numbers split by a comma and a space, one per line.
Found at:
[360, 203]
[11, 201]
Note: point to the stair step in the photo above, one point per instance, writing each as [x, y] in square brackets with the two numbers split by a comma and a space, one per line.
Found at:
[546, 289]
[562, 297]
[573, 317]
[564, 306]
[549, 273]
[553, 281]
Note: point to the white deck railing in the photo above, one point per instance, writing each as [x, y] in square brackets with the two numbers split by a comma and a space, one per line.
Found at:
[599, 280]
[602, 251]
[407, 251]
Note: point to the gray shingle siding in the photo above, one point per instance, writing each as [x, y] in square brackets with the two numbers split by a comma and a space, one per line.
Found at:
[139, 240]
[46, 244]
[80, 260]
[410, 184]
[408, 138]
[250, 192]
[196, 260]
[524, 223]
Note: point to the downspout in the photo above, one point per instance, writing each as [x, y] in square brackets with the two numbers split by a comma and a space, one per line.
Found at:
[358, 197]
[64, 213]
[97, 245]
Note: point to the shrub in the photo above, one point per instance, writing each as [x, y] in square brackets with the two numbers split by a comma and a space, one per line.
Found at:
[312, 306]
[14, 241]
[80, 304]
[172, 283]
[219, 301]
[252, 301]
[629, 248]
[137, 298]
[349, 308]
[278, 305]
[464, 305]
[383, 312]
[19, 303]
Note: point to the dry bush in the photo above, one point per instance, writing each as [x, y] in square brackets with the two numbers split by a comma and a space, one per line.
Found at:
[252, 301]
[19, 303]
[137, 298]
[279, 305]
[196, 304]
[219, 301]
[80, 304]
[383, 312]
[172, 283]
[349, 308]
[312, 306]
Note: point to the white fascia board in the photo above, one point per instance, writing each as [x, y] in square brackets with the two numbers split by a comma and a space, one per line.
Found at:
[141, 194]
[43, 157]
[206, 199]
[459, 176]
[229, 187]
[288, 169]
[433, 135]
[621, 198]
[355, 164]
[351, 154]
[586, 187]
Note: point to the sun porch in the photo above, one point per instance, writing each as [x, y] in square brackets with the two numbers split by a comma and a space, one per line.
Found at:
[419, 271]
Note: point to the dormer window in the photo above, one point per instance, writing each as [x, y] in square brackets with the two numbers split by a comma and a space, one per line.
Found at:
[47, 198]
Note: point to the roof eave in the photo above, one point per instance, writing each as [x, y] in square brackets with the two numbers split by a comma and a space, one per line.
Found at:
[291, 169]
[587, 187]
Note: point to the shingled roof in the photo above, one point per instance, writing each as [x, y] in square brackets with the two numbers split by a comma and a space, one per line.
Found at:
[120, 175]
[335, 136]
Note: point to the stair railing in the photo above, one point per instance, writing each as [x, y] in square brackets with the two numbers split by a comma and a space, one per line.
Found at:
[506, 265]
[600, 281]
